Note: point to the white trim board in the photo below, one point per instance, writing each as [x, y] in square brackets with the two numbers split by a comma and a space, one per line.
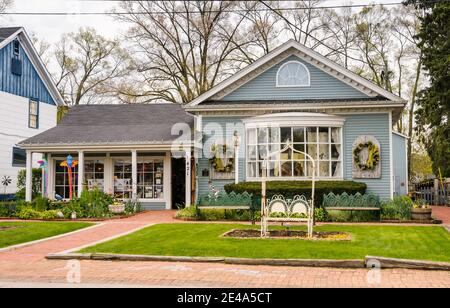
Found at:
[341, 73]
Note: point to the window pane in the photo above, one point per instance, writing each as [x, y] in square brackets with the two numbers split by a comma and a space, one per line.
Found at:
[336, 151]
[274, 169]
[286, 134]
[251, 135]
[263, 135]
[311, 134]
[89, 166]
[311, 149]
[309, 169]
[19, 157]
[33, 108]
[323, 134]
[293, 74]
[274, 135]
[324, 168]
[336, 169]
[286, 168]
[301, 148]
[335, 135]
[262, 151]
[33, 121]
[274, 148]
[299, 134]
[251, 152]
[287, 154]
[251, 170]
[324, 151]
[299, 168]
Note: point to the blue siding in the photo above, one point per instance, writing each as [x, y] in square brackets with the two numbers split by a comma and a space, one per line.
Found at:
[153, 206]
[369, 124]
[355, 125]
[226, 128]
[323, 86]
[400, 165]
[29, 84]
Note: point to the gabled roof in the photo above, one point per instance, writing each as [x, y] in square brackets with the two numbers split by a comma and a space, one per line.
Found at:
[309, 55]
[7, 35]
[114, 124]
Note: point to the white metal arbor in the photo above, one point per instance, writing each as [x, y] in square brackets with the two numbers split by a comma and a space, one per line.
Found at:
[289, 207]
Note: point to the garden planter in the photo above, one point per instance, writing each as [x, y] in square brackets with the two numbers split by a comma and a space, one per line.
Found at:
[117, 209]
[421, 214]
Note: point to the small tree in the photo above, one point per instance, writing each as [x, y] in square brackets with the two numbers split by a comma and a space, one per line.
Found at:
[21, 183]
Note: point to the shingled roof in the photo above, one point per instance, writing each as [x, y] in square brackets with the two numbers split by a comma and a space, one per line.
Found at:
[7, 32]
[115, 124]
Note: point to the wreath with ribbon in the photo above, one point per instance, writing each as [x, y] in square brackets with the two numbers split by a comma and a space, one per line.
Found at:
[373, 157]
[220, 162]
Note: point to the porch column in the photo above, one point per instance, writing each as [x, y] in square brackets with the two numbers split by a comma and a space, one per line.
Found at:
[134, 173]
[29, 177]
[188, 178]
[80, 172]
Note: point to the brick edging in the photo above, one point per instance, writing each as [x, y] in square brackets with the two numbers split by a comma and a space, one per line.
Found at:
[368, 262]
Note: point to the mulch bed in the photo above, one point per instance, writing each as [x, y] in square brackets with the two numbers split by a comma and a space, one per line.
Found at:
[285, 234]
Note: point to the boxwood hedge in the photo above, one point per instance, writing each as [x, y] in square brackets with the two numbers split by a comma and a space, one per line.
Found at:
[291, 188]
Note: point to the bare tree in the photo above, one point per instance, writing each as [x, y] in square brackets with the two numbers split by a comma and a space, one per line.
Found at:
[184, 48]
[89, 65]
[5, 4]
[303, 23]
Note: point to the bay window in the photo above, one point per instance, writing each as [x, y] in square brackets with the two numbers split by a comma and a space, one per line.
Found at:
[322, 143]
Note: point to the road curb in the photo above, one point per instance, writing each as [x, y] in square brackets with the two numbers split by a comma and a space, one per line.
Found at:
[368, 262]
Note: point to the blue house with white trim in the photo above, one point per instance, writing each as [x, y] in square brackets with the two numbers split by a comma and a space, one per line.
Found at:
[292, 95]
[28, 100]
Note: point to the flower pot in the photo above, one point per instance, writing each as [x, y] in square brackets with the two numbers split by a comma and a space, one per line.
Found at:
[421, 214]
[117, 209]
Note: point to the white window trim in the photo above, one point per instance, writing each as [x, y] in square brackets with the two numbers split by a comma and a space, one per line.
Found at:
[293, 86]
[292, 120]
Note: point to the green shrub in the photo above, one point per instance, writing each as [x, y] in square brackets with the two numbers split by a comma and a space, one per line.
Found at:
[353, 216]
[8, 209]
[191, 212]
[41, 204]
[321, 215]
[49, 215]
[27, 212]
[398, 208]
[291, 188]
[132, 207]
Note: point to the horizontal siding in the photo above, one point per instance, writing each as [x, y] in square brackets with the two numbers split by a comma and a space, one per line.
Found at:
[14, 128]
[28, 85]
[376, 125]
[400, 165]
[153, 206]
[323, 86]
[223, 129]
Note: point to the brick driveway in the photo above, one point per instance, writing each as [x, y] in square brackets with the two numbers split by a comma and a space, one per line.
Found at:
[28, 265]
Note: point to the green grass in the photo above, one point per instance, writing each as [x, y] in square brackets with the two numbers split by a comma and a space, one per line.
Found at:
[22, 232]
[420, 243]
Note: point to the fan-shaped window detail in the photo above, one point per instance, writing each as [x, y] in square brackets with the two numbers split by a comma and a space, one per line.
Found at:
[293, 74]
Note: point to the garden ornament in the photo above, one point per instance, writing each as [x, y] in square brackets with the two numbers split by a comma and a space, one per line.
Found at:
[69, 163]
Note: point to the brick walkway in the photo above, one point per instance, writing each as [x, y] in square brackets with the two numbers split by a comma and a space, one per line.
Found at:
[442, 213]
[28, 265]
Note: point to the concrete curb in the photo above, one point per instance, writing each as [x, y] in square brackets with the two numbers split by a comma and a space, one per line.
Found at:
[405, 263]
[368, 262]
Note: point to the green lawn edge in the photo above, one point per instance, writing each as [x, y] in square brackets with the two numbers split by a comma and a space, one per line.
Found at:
[23, 232]
[193, 240]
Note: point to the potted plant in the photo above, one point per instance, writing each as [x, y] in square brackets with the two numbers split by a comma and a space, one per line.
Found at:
[117, 207]
[421, 211]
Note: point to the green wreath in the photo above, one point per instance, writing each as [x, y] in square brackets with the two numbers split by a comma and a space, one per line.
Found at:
[373, 157]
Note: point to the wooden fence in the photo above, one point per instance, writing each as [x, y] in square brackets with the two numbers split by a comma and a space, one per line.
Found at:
[433, 191]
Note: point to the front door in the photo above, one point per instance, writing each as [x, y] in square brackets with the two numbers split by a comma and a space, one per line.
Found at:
[178, 182]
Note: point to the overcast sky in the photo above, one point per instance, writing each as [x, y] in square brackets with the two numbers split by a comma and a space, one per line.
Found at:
[50, 28]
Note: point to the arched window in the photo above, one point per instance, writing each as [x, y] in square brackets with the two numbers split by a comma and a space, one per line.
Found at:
[293, 74]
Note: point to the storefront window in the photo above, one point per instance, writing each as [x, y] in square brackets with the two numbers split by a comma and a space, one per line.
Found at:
[62, 187]
[94, 174]
[150, 183]
[122, 179]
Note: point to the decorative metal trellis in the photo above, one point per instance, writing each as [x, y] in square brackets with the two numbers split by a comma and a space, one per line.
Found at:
[297, 209]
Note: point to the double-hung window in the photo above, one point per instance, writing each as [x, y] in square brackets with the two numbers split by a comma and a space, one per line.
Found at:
[33, 114]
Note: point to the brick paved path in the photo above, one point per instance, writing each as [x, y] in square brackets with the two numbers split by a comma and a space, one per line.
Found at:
[28, 265]
[442, 213]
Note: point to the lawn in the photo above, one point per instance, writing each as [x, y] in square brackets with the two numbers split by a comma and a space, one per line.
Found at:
[421, 243]
[13, 233]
